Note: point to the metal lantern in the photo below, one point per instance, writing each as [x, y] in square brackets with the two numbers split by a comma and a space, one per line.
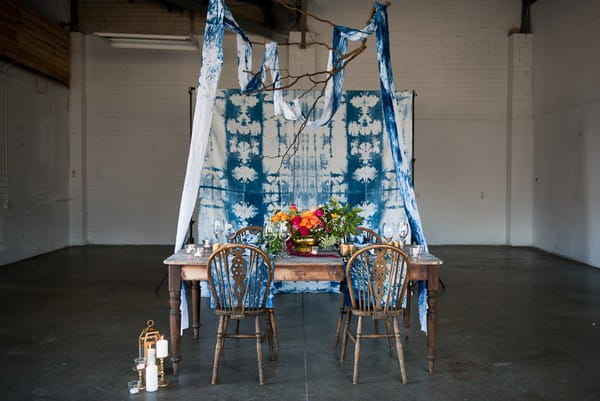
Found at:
[148, 338]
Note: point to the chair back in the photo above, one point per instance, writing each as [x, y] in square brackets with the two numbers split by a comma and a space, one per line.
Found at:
[246, 235]
[377, 279]
[240, 278]
[369, 236]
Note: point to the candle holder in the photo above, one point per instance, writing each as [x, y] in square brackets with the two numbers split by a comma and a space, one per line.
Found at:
[162, 382]
[140, 366]
[147, 338]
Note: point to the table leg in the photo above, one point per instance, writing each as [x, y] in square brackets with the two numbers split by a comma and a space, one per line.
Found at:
[175, 315]
[196, 293]
[433, 277]
[406, 312]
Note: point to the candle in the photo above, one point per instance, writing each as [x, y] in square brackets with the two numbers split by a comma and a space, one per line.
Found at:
[151, 376]
[151, 356]
[162, 348]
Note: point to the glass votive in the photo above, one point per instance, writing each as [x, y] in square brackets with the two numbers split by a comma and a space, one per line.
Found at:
[139, 363]
[190, 248]
[133, 386]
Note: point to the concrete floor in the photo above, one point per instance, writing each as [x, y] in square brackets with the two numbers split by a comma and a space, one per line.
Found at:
[514, 324]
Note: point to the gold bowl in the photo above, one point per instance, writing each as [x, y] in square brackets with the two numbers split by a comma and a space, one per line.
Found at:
[304, 244]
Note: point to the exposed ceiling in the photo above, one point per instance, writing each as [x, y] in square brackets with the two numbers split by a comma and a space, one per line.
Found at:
[269, 18]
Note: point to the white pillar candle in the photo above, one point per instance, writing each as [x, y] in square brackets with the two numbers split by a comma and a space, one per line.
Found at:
[151, 377]
[162, 348]
[151, 356]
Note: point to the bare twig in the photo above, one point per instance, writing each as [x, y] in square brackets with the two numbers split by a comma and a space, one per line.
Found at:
[318, 81]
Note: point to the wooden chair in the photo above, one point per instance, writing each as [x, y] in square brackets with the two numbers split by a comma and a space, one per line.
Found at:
[371, 237]
[240, 236]
[240, 279]
[377, 278]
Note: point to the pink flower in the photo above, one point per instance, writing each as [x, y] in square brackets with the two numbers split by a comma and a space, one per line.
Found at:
[319, 212]
[295, 221]
[304, 231]
[293, 206]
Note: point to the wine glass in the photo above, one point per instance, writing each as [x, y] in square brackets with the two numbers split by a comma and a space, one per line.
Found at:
[403, 231]
[387, 230]
[218, 228]
[284, 235]
[229, 230]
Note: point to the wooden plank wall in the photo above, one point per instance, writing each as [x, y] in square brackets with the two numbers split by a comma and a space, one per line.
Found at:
[28, 39]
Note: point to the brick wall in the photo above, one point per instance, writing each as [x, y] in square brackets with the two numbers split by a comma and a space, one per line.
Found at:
[34, 113]
[453, 53]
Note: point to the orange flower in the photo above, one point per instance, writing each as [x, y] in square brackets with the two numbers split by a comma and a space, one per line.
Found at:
[280, 216]
[309, 219]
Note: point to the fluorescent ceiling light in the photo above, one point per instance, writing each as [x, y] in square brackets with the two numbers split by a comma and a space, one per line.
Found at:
[142, 41]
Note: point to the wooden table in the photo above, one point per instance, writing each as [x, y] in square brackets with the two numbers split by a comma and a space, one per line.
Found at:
[183, 266]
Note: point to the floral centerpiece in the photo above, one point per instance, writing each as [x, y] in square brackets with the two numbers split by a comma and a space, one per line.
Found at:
[327, 224]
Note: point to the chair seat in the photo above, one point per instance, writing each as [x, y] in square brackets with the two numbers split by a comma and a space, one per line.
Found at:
[376, 315]
[240, 316]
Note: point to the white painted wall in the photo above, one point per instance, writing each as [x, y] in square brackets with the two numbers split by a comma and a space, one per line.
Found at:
[136, 132]
[454, 54]
[567, 128]
[33, 120]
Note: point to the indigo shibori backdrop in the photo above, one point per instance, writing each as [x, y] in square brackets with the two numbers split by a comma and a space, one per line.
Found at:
[243, 178]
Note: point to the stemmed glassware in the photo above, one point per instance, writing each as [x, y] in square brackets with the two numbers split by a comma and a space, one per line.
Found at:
[218, 227]
[229, 230]
[284, 235]
[140, 366]
[387, 230]
[403, 232]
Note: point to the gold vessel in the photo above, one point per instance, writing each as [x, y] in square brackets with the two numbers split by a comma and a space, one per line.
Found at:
[304, 244]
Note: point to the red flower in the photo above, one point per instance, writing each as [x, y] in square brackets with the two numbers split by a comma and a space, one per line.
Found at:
[304, 231]
[319, 212]
[295, 221]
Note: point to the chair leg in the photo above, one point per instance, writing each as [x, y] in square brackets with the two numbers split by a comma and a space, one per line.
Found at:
[388, 331]
[399, 349]
[345, 335]
[338, 327]
[357, 349]
[258, 350]
[226, 326]
[269, 332]
[218, 349]
[274, 329]
[376, 326]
